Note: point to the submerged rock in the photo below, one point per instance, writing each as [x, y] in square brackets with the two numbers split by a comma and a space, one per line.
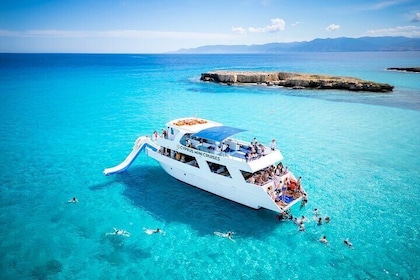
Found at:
[47, 270]
[295, 80]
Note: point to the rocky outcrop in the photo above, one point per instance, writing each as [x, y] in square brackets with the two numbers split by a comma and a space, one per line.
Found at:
[406, 69]
[295, 80]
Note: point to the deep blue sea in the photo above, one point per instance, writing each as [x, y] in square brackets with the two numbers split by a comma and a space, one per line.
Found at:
[66, 117]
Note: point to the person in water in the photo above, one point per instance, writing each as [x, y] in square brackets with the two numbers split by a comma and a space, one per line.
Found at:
[304, 200]
[324, 240]
[348, 243]
[319, 221]
[229, 235]
[121, 232]
[73, 200]
[152, 231]
[301, 226]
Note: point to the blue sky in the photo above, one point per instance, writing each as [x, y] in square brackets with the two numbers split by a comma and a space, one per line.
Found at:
[156, 26]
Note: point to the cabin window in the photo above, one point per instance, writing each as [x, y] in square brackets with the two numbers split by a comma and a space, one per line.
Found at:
[200, 144]
[260, 177]
[165, 151]
[187, 159]
[246, 175]
[218, 169]
[186, 140]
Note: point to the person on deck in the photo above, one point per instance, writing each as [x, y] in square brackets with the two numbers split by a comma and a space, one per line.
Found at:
[224, 147]
[247, 156]
[298, 184]
[273, 145]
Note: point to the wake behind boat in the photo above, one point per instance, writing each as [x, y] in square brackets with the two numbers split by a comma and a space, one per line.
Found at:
[202, 153]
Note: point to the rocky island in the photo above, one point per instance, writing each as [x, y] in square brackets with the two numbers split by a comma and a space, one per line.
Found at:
[406, 69]
[295, 80]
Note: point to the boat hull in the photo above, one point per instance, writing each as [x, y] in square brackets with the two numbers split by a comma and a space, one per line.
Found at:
[246, 194]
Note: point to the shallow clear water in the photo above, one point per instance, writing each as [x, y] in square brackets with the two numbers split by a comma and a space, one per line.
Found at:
[64, 118]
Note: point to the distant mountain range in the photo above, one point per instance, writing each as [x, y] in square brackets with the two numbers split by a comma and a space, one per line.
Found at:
[362, 44]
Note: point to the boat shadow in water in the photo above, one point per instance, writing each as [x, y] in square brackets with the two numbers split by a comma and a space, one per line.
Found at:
[170, 200]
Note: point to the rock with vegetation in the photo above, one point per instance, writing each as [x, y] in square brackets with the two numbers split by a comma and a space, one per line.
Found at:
[295, 80]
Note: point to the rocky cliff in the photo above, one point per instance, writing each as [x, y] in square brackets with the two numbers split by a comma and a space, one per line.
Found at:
[295, 80]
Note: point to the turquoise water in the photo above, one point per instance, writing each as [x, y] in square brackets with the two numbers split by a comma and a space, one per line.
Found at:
[64, 118]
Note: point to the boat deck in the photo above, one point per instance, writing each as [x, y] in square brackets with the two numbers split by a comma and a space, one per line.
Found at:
[284, 190]
[237, 149]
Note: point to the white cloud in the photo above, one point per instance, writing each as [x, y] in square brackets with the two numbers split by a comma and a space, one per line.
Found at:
[239, 30]
[332, 27]
[416, 18]
[407, 31]
[296, 23]
[277, 25]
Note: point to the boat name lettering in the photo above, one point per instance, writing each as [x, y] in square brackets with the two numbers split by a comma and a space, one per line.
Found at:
[197, 152]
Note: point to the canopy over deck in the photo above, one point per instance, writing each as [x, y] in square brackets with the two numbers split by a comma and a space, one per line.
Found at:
[218, 133]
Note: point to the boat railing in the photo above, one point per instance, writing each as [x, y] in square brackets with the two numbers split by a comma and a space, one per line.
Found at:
[284, 195]
[238, 149]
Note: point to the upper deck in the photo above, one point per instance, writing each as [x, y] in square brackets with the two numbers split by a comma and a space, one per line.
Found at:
[192, 124]
[214, 138]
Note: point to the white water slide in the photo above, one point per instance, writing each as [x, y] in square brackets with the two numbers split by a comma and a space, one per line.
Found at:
[139, 145]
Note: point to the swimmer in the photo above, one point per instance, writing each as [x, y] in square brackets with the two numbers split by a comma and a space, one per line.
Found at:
[301, 220]
[348, 243]
[324, 240]
[228, 235]
[316, 213]
[122, 232]
[280, 217]
[327, 219]
[304, 200]
[284, 216]
[319, 221]
[301, 226]
[72, 200]
[152, 231]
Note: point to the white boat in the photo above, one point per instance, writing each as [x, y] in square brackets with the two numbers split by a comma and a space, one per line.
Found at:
[202, 153]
